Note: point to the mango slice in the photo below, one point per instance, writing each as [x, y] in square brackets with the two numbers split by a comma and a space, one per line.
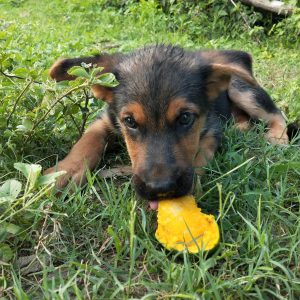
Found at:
[182, 225]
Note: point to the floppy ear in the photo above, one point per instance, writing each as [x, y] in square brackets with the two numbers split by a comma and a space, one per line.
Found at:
[220, 75]
[59, 71]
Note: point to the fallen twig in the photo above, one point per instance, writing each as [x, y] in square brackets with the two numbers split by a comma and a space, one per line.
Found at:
[277, 7]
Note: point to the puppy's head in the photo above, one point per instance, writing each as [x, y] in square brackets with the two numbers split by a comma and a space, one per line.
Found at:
[161, 103]
[161, 115]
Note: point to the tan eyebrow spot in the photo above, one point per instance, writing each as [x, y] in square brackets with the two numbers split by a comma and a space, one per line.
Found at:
[135, 110]
[178, 105]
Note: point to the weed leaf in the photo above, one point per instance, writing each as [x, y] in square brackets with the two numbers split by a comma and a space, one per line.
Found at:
[49, 178]
[30, 171]
[6, 253]
[107, 79]
[11, 228]
[10, 188]
[284, 167]
[79, 72]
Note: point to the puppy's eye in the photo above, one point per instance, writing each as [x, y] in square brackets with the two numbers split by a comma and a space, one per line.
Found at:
[186, 119]
[130, 122]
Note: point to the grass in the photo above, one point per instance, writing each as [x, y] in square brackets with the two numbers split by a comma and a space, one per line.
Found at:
[98, 242]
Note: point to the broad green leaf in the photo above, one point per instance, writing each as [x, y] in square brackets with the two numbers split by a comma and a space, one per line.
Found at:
[30, 171]
[49, 178]
[27, 125]
[283, 167]
[6, 200]
[79, 72]
[222, 13]
[107, 79]
[6, 253]
[10, 188]
[62, 85]
[27, 169]
[78, 81]
[21, 128]
[11, 228]
[21, 72]
[96, 71]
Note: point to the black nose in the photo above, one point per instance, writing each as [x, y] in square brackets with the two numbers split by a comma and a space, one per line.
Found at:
[157, 187]
[161, 187]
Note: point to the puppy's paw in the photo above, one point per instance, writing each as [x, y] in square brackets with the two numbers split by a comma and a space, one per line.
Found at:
[75, 172]
[242, 126]
[277, 137]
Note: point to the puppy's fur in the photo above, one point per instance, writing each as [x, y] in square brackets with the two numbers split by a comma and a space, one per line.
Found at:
[169, 107]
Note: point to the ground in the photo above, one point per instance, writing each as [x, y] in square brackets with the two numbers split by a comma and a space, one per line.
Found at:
[98, 242]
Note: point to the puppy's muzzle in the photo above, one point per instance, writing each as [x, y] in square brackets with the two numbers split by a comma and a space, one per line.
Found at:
[174, 182]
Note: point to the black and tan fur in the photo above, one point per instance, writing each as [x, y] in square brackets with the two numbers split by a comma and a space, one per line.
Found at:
[169, 107]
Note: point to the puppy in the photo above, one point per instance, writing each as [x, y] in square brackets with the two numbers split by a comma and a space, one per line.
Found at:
[169, 107]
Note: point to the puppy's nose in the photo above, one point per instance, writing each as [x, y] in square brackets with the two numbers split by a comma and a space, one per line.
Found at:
[162, 186]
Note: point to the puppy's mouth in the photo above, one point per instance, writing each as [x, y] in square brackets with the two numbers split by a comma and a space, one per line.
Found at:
[152, 196]
[153, 204]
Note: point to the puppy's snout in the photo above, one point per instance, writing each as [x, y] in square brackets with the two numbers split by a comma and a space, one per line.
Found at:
[165, 183]
[161, 186]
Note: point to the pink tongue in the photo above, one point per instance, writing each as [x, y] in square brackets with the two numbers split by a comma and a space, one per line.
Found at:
[153, 205]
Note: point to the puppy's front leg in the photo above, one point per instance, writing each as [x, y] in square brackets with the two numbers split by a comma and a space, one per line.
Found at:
[85, 154]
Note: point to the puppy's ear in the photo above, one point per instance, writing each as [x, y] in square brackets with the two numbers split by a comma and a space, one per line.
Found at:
[220, 75]
[59, 71]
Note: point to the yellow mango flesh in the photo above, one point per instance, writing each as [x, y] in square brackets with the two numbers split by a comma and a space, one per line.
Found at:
[182, 225]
